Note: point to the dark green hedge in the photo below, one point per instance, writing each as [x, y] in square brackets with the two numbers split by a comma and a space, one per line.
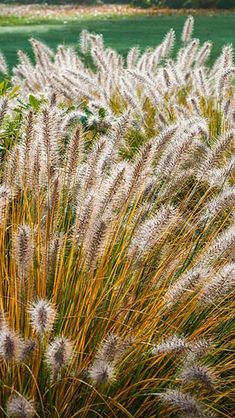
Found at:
[180, 4]
[51, 2]
[177, 4]
[222, 4]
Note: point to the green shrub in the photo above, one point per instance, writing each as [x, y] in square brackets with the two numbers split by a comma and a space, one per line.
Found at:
[203, 4]
[177, 4]
[225, 4]
[180, 4]
[50, 2]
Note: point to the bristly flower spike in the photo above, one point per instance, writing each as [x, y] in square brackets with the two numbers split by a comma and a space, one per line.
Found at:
[183, 402]
[42, 315]
[58, 355]
[10, 344]
[23, 249]
[187, 29]
[19, 407]
[101, 373]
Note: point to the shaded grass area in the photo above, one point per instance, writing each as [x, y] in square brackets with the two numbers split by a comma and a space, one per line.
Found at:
[120, 33]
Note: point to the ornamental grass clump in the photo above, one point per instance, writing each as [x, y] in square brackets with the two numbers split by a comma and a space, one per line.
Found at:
[117, 231]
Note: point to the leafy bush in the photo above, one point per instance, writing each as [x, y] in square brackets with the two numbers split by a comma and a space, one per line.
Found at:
[204, 4]
[222, 4]
[177, 4]
[52, 2]
[117, 231]
[180, 4]
[225, 4]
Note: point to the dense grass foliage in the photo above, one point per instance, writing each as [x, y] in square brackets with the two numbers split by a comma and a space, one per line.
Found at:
[117, 232]
[120, 33]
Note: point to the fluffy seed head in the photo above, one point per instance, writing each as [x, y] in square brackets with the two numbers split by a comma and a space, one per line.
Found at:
[185, 285]
[3, 106]
[101, 373]
[172, 344]
[28, 348]
[220, 285]
[198, 373]
[10, 344]
[42, 315]
[6, 194]
[19, 407]
[23, 249]
[183, 402]
[112, 349]
[187, 29]
[58, 355]
[3, 64]
[198, 349]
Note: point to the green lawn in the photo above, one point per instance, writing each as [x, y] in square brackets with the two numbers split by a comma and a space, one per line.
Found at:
[119, 32]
